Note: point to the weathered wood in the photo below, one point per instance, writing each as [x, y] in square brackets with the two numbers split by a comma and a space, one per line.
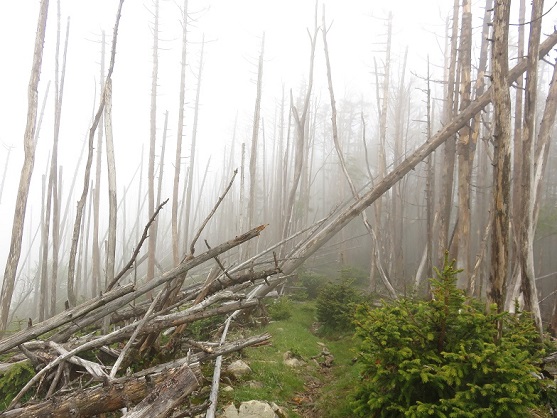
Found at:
[343, 218]
[62, 318]
[168, 395]
[177, 271]
[123, 392]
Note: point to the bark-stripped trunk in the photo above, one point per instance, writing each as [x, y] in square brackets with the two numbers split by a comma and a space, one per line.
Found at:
[255, 138]
[300, 121]
[502, 158]
[464, 149]
[339, 152]
[112, 200]
[527, 226]
[188, 203]
[151, 251]
[179, 137]
[479, 88]
[96, 252]
[514, 284]
[448, 160]
[83, 199]
[26, 171]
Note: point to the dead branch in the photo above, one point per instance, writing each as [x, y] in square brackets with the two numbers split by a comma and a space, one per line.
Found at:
[137, 249]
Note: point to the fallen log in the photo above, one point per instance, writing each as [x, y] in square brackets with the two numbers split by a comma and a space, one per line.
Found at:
[124, 391]
[121, 393]
[168, 395]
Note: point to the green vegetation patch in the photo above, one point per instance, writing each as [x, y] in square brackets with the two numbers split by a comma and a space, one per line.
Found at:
[443, 358]
[13, 381]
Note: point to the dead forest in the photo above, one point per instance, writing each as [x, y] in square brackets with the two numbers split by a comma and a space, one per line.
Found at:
[455, 158]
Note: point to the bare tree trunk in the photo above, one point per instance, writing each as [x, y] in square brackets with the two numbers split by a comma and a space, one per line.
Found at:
[191, 171]
[464, 149]
[383, 108]
[152, 144]
[255, 137]
[96, 255]
[514, 284]
[317, 240]
[502, 158]
[526, 226]
[83, 198]
[479, 88]
[339, 152]
[59, 94]
[26, 171]
[448, 160]
[112, 200]
[397, 272]
[541, 154]
[300, 130]
[180, 134]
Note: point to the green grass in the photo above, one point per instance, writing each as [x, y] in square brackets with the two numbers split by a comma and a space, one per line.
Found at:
[285, 385]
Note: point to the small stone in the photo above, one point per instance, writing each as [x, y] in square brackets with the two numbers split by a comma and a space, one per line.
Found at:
[256, 409]
[238, 369]
[290, 360]
[255, 385]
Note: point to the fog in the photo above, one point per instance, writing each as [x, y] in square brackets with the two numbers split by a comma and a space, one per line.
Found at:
[233, 31]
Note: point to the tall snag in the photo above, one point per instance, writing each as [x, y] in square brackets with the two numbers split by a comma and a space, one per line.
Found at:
[84, 193]
[26, 171]
[527, 226]
[300, 121]
[179, 136]
[152, 142]
[502, 157]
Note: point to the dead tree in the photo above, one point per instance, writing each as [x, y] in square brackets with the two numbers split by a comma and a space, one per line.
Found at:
[502, 155]
[526, 226]
[255, 137]
[300, 120]
[84, 193]
[152, 143]
[179, 136]
[26, 171]
[339, 152]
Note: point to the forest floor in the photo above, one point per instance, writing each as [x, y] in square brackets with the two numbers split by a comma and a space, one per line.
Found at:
[317, 386]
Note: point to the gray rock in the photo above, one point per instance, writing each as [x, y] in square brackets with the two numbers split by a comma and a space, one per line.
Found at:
[250, 409]
[238, 369]
[289, 359]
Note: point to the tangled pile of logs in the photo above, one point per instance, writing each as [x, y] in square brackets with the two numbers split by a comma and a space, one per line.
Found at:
[124, 327]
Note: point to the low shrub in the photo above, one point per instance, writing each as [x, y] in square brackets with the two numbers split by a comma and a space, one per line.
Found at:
[280, 310]
[336, 305]
[443, 358]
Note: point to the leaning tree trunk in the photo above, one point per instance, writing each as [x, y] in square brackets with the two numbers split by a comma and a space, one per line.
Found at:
[26, 171]
[317, 240]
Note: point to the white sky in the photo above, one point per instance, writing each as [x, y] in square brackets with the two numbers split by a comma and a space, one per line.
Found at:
[232, 30]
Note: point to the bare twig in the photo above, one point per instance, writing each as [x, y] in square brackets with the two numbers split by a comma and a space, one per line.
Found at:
[137, 249]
